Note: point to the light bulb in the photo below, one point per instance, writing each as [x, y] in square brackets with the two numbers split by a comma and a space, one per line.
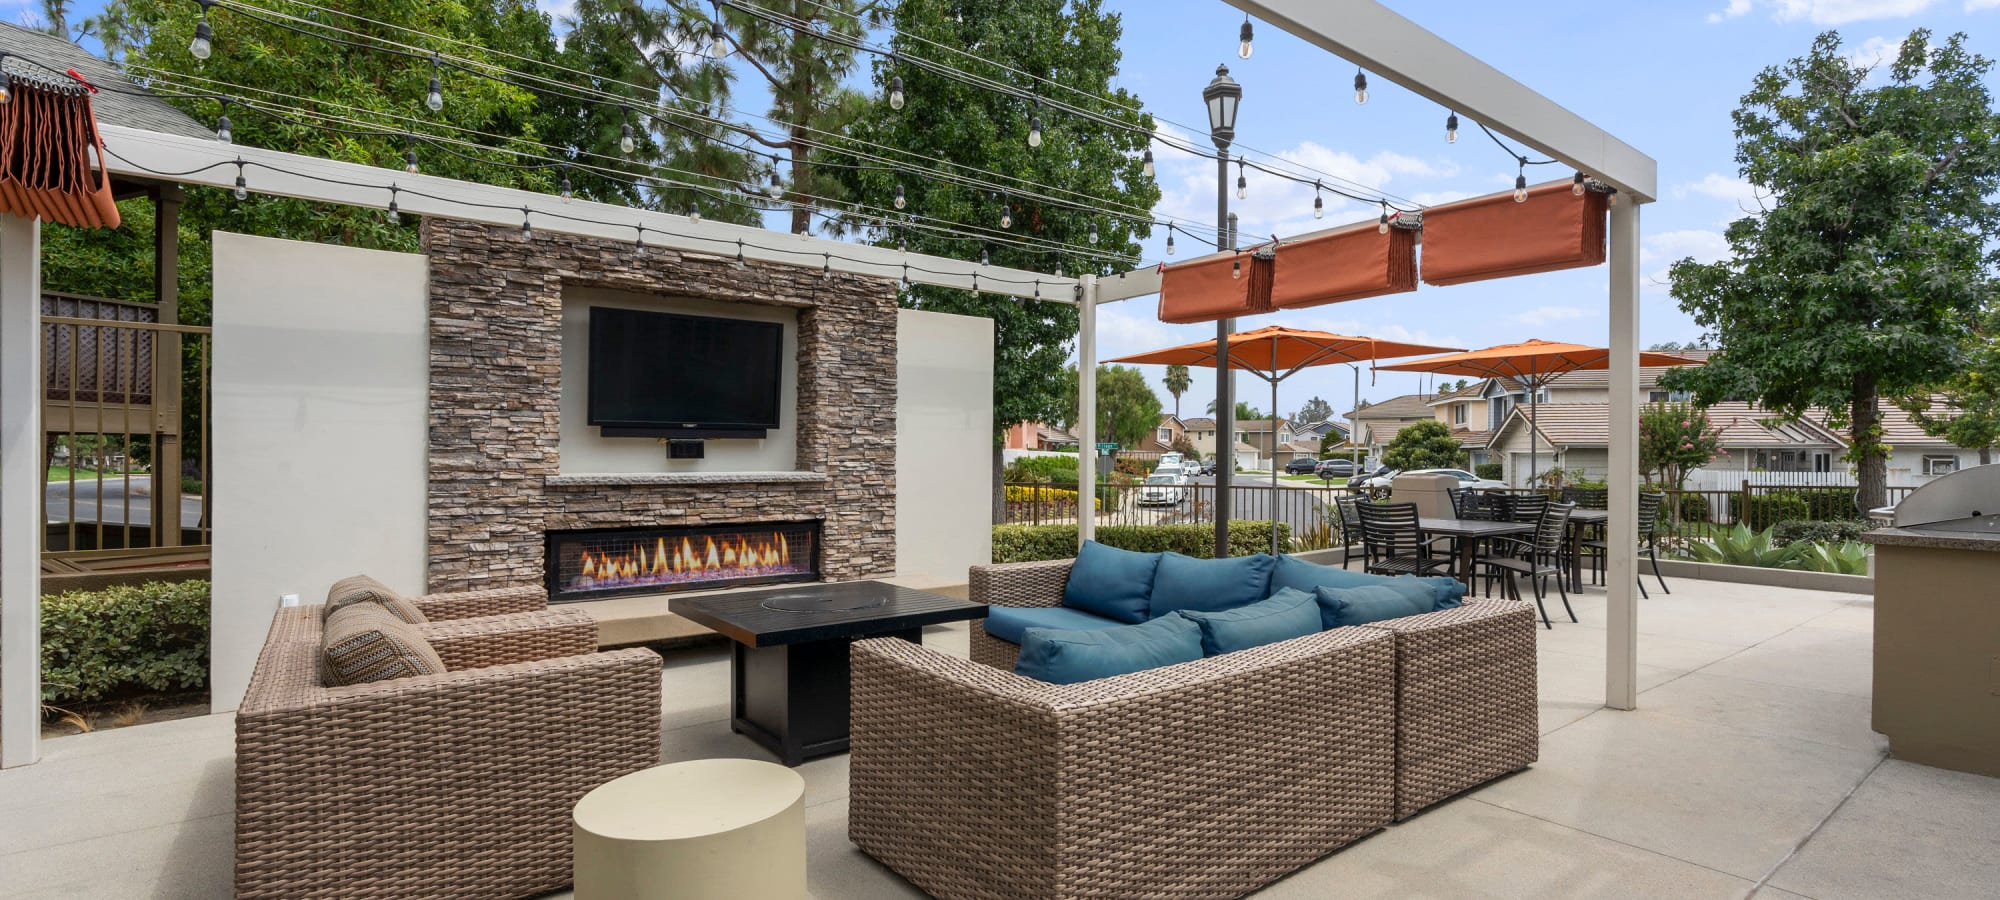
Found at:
[639, 243]
[1382, 225]
[1170, 242]
[896, 92]
[1146, 163]
[1236, 269]
[1093, 232]
[395, 217]
[223, 132]
[242, 187]
[1360, 87]
[567, 192]
[718, 44]
[200, 46]
[985, 257]
[527, 231]
[1319, 207]
[1611, 199]
[1451, 128]
[739, 255]
[434, 99]
[1035, 131]
[410, 161]
[900, 202]
[625, 142]
[775, 188]
[1576, 186]
[5, 93]
[1520, 189]
[1007, 216]
[1243, 48]
[826, 268]
[694, 214]
[1242, 188]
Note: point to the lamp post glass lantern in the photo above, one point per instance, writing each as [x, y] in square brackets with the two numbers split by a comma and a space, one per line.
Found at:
[1223, 96]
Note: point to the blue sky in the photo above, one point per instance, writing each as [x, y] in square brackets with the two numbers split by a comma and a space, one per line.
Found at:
[1662, 76]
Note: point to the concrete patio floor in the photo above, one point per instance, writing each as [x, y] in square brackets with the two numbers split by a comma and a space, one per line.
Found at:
[1749, 770]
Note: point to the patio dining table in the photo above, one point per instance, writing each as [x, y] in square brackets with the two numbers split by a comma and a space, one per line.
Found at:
[1581, 523]
[1467, 533]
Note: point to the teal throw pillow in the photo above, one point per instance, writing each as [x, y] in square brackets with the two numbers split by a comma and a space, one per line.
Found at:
[1110, 582]
[1299, 575]
[1369, 603]
[1067, 657]
[1208, 585]
[1284, 615]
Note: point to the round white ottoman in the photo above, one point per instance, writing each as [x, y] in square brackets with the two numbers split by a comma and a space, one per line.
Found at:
[708, 828]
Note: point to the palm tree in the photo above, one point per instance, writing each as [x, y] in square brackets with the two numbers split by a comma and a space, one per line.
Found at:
[1177, 384]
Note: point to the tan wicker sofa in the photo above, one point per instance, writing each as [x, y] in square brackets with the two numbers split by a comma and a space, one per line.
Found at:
[1204, 779]
[451, 785]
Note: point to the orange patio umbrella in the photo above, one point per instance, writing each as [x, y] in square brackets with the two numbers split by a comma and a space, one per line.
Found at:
[1275, 353]
[1532, 363]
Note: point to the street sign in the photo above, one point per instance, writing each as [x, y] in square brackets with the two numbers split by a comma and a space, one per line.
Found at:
[1107, 448]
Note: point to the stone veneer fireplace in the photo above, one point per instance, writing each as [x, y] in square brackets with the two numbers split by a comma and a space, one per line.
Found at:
[608, 562]
[496, 490]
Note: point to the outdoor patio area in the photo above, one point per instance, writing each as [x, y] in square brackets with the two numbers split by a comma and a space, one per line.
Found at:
[1749, 769]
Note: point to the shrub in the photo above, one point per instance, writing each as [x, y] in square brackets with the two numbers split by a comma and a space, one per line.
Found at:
[1841, 558]
[1694, 507]
[1062, 499]
[1830, 531]
[1126, 465]
[1489, 471]
[1045, 469]
[1761, 511]
[97, 644]
[1029, 543]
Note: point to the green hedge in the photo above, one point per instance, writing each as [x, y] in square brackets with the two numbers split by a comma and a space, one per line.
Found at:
[1488, 471]
[98, 644]
[1028, 543]
[1057, 469]
[1832, 531]
[1694, 508]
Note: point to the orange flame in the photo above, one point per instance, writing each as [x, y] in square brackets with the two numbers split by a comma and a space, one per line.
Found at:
[733, 557]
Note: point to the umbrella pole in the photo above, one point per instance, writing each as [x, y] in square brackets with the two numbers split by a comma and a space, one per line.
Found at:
[1274, 448]
[1533, 439]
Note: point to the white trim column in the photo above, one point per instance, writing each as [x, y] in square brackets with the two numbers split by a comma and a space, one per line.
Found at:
[1621, 660]
[1086, 409]
[20, 490]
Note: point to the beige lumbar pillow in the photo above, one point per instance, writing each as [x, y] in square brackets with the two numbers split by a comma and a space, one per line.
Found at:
[365, 642]
[363, 589]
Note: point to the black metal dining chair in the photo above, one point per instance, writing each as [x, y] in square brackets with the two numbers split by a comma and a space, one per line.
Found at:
[1649, 543]
[1393, 543]
[1587, 498]
[1350, 529]
[1538, 557]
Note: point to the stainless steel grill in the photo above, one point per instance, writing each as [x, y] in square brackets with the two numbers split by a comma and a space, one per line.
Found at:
[1966, 501]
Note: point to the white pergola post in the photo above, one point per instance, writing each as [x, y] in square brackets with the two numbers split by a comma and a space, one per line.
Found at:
[20, 490]
[1086, 405]
[1621, 668]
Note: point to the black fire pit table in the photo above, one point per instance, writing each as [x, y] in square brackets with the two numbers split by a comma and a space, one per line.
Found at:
[788, 665]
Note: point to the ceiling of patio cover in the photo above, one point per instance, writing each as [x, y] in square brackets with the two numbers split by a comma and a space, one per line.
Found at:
[1214, 288]
[47, 135]
[1495, 237]
[1346, 265]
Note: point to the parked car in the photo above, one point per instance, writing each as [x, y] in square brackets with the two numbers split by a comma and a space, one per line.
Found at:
[1169, 459]
[1163, 490]
[1362, 480]
[1303, 465]
[1332, 469]
[1207, 466]
[1466, 479]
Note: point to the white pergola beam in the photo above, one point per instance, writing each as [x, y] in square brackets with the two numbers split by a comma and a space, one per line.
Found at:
[21, 486]
[145, 154]
[1390, 46]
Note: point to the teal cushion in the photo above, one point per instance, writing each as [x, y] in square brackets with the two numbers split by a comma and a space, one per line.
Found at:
[1208, 585]
[1067, 657]
[1008, 622]
[1368, 603]
[1110, 582]
[1284, 615]
[1300, 575]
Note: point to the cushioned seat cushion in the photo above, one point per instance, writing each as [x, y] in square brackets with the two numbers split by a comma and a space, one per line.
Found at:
[1008, 622]
[1368, 603]
[363, 589]
[1300, 575]
[365, 642]
[1208, 585]
[1067, 657]
[1282, 616]
[1110, 582]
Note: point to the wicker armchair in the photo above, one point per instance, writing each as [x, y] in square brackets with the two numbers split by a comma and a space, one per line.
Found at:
[1209, 778]
[450, 785]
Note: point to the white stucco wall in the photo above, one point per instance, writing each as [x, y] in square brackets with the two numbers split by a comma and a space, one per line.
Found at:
[944, 444]
[320, 381]
[584, 451]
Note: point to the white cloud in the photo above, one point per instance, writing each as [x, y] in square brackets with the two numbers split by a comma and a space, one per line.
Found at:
[1977, 5]
[1543, 315]
[1831, 12]
[1741, 195]
[1668, 247]
[1275, 205]
[1734, 9]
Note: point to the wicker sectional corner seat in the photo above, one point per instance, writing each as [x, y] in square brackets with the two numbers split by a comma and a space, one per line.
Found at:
[1208, 778]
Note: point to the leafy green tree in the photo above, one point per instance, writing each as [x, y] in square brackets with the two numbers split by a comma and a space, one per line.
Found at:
[1313, 412]
[1674, 439]
[1127, 408]
[1425, 445]
[1861, 279]
[1244, 411]
[1970, 416]
[947, 124]
[1177, 382]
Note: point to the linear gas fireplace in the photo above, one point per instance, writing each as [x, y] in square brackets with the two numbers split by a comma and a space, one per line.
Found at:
[604, 562]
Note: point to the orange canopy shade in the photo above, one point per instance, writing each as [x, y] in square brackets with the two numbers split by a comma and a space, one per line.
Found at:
[1280, 349]
[1529, 361]
[1217, 287]
[47, 136]
[1495, 237]
[1348, 264]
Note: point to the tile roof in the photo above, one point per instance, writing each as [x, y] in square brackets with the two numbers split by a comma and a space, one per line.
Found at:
[1407, 406]
[1262, 425]
[1202, 424]
[128, 105]
[1472, 440]
[1738, 425]
[1600, 379]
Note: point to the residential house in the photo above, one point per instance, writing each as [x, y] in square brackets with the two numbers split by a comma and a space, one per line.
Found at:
[1201, 433]
[1467, 411]
[1328, 432]
[1275, 442]
[1577, 436]
[1169, 431]
[1037, 436]
[1377, 424]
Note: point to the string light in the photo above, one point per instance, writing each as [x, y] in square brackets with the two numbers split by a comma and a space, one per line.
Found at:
[410, 160]
[1382, 226]
[1243, 48]
[1006, 215]
[1451, 128]
[527, 231]
[900, 202]
[6, 93]
[625, 142]
[567, 193]
[1093, 232]
[985, 257]
[435, 98]
[718, 42]
[223, 132]
[1360, 87]
[639, 243]
[202, 45]
[395, 217]
[826, 267]
[1170, 240]
[1035, 125]
[1242, 184]
[242, 187]
[739, 254]
[694, 214]
[1521, 183]
[1146, 163]
[776, 188]
[1576, 187]
[1236, 268]
[1319, 204]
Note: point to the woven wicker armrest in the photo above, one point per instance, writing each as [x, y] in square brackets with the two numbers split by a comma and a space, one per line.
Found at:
[487, 602]
[519, 637]
[1020, 584]
[972, 781]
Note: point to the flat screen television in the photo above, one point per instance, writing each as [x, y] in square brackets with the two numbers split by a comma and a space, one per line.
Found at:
[656, 374]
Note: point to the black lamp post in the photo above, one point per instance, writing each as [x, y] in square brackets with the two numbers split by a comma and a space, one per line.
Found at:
[1222, 96]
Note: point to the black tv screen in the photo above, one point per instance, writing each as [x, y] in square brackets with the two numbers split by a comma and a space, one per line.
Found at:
[663, 373]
